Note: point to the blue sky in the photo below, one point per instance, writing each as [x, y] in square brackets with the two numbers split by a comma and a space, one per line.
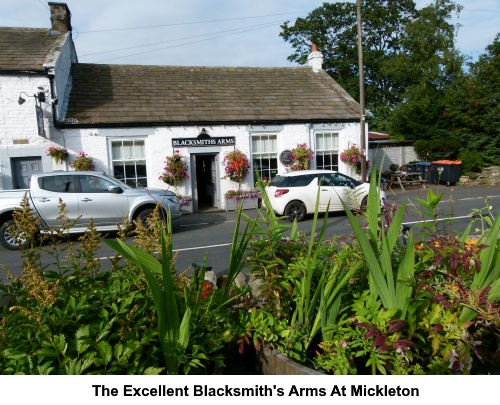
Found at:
[207, 32]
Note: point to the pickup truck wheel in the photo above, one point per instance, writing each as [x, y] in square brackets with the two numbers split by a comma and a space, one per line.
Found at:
[7, 235]
[144, 216]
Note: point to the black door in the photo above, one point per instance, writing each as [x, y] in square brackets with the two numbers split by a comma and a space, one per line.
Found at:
[205, 181]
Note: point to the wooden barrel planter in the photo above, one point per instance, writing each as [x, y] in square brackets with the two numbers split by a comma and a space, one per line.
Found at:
[273, 362]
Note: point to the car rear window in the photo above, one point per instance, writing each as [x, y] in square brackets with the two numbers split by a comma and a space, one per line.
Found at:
[57, 184]
[293, 181]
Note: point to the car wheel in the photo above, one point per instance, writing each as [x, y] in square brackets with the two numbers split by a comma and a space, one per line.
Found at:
[8, 235]
[364, 203]
[144, 216]
[296, 210]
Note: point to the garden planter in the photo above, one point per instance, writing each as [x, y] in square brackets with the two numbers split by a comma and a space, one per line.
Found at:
[248, 203]
[273, 362]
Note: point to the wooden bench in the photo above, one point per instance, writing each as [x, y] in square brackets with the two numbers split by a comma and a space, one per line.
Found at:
[410, 182]
[406, 179]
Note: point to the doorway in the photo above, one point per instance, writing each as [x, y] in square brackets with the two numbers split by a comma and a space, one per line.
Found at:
[23, 168]
[205, 182]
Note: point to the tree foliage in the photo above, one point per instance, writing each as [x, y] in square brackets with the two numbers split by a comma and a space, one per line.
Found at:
[333, 27]
[428, 65]
[472, 104]
[418, 86]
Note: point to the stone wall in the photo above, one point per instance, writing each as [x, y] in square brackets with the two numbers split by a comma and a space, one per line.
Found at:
[490, 176]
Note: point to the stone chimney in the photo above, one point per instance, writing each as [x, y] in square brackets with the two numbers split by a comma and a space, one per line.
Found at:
[60, 17]
[315, 59]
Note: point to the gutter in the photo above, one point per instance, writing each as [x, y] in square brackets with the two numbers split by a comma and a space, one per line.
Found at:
[76, 125]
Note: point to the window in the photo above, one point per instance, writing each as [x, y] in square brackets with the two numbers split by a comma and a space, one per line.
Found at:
[264, 156]
[94, 184]
[57, 184]
[337, 180]
[293, 181]
[129, 162]
[327, 151]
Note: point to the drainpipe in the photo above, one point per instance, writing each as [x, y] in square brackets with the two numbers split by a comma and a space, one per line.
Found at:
[53, 100]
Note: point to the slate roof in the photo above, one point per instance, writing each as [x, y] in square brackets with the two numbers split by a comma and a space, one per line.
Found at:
[27, 49]
[136, 95]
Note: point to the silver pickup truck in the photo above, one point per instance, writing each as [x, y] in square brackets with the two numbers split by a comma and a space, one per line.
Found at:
[87, 195]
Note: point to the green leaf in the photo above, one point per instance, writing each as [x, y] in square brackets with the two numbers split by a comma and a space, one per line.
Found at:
[60, 343]
[105, 352]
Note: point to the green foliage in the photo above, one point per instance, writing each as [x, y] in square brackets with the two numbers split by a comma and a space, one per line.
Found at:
[333, 27]
[473, 111]
[472, 161]
[79, 325]
[437, 149]
[173, 333]
[356, 304]
[311, 284]
[378, 246]
[71, 318]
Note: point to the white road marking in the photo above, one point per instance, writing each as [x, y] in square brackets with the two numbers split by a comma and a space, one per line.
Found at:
[202, 247]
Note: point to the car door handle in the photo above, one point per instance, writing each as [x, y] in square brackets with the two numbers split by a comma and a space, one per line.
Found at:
[87, 199]
[324, 189]
[44, 199]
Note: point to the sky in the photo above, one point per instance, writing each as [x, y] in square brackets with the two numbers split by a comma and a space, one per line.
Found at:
[208, 32]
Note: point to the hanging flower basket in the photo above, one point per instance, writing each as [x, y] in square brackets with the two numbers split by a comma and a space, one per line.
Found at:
[82, 163]
[237, 166]
[58, 154]
[302, 156]
[175, 170]
[353, 157]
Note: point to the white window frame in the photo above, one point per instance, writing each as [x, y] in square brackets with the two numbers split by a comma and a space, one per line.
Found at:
[130, 158]
[331, 149]
[261, 155]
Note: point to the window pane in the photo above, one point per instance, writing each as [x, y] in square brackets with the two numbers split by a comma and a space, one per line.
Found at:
[92, 184]
[141, 168]
[117, 151]
[139, 151]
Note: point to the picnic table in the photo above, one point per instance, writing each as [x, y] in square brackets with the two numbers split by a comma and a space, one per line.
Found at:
[406, 179]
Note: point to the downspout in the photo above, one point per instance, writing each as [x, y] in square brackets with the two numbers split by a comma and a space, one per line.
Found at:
[53, 100]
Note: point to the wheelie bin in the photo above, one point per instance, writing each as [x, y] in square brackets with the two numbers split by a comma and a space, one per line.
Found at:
[445, 172]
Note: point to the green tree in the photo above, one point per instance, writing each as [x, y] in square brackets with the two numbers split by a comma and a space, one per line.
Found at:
[409, 57]
[472, 105]
[333, 28]
[428, 65]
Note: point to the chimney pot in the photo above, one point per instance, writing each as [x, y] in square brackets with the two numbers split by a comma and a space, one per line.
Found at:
[60, 17]
[315, 59]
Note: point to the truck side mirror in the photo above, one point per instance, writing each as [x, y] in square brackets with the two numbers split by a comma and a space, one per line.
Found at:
[115, 189]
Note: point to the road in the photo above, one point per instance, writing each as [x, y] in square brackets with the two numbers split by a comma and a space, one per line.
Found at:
[211, 233]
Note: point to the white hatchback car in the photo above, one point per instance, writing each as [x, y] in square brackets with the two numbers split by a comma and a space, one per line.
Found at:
[294, 194]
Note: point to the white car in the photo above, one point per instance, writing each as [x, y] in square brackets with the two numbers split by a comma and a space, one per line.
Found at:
[294, 194]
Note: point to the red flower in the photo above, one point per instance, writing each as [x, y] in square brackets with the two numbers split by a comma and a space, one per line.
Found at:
[206, 290]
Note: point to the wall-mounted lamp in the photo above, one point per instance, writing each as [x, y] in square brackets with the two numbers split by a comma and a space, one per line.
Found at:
[39, 97]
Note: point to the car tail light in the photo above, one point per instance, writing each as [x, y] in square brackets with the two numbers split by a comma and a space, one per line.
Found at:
[280, 193]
